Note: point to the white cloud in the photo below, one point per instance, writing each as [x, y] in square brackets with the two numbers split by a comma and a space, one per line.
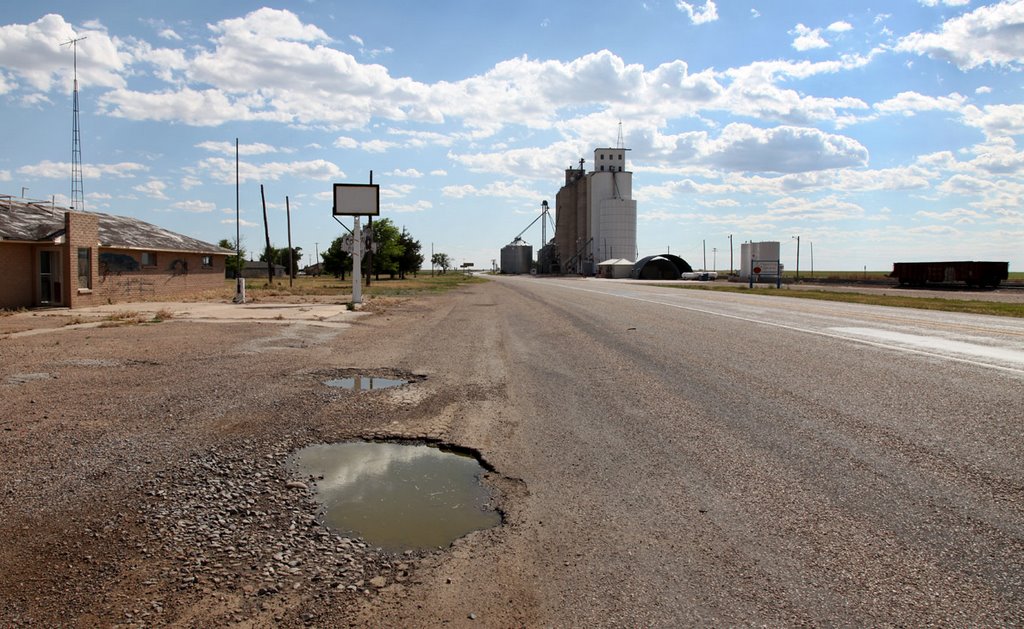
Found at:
[948, 3]
[408, 172]
[987, 35]
[5, 175]
[830, 208]
[699, 15]
[223, 170]
[742, 147]
[228, 148]
[417, 206]
[154, 188]
[496, 189]
[807, 38]
[188, 182]
[195, 206]
[840, 27]
[909, 103]
[996, 120]
[241, 221]
[984, 89]
[439, 173]
[32, 56]
[168, 33]
[60, 170]
[754, 13]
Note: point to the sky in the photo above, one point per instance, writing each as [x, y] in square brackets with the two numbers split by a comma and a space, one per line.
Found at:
[876, 132]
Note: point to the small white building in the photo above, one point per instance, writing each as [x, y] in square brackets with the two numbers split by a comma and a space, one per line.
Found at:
[615, 268]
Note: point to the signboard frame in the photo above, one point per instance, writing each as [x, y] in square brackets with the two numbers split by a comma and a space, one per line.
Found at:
[356, 199]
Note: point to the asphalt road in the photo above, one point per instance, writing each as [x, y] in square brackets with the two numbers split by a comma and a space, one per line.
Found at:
[697, 458]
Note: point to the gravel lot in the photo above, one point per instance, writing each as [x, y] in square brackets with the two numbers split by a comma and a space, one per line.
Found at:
[142, 465]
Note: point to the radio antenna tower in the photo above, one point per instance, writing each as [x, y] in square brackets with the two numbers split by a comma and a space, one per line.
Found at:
[618, 142]
[77, 193]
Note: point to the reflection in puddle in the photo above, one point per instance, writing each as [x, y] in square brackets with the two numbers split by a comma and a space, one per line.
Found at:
[398, 497]
[365, 383]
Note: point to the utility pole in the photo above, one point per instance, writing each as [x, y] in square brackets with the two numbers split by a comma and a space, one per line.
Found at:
[704, 246]
[730, 255]
[266, 230]
[369, 254]
[291, 261]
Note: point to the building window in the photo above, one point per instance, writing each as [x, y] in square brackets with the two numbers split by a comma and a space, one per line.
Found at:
[620, 157]
[148, 258]
[602, 155]
[207, 262]
[84, 267]
[602, 168]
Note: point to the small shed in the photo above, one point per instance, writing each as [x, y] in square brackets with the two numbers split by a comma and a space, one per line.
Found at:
[615, 268]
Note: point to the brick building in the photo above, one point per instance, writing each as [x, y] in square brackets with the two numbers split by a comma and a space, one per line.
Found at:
[51, 256]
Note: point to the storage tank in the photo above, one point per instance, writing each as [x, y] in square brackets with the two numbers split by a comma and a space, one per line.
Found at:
[516, 257]
[760, 251]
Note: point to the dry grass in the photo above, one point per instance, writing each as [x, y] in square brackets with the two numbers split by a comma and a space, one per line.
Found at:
[972, 306]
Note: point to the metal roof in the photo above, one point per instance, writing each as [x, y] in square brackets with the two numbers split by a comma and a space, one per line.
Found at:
[29, 221]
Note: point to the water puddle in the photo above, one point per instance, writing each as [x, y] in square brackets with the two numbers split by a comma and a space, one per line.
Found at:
[365, 383]
[399, 497]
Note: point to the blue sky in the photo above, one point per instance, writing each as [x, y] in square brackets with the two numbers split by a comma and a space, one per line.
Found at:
[879, 132]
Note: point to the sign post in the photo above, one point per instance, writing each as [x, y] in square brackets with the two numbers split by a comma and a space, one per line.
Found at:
[356, 200]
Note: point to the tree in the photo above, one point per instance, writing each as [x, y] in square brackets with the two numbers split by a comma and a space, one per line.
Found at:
[386, 258]
[280, 256]
[335, 260]
[410, 259]
[234, 264]
[442, 260]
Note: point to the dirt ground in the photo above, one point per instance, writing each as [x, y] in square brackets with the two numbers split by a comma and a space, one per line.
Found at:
[143, 451]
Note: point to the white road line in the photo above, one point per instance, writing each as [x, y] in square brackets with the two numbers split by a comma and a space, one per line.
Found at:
[832, 335]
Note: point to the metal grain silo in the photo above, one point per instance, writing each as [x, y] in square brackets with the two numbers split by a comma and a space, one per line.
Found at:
[516, 257]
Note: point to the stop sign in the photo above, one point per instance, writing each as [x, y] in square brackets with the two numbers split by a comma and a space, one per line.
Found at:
[757, 269]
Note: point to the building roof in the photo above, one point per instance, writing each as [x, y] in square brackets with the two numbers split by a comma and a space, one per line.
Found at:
[616, 262]
[23, 220]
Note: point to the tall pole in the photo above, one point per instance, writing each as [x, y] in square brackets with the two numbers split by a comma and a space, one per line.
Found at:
[704, 245]
[730, 255]
[369, 254]
[238, 222]
[357, 258]
[798, 258]
[266, 230]
[291, 261]
[317, 261]
[431, 259]
[714, 258]
[812, 258]
[239, 280]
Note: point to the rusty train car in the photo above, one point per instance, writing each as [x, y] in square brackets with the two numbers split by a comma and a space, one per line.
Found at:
[970, 273]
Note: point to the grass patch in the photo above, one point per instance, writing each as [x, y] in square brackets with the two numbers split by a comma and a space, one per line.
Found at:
[972, 306]
[325, 286]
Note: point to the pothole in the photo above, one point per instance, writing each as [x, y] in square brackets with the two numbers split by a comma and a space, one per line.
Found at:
[398, 496]
[364, 383]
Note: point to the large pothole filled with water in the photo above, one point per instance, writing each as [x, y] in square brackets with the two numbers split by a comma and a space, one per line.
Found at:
[365, 383]
[398, 496]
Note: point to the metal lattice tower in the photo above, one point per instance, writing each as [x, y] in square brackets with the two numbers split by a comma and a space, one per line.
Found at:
[618, 142]
[77, 192]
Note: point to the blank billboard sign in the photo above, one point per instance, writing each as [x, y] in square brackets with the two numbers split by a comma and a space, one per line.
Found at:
[354, 199]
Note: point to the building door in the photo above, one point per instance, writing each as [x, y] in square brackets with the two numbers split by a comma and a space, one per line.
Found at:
[50, 286]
